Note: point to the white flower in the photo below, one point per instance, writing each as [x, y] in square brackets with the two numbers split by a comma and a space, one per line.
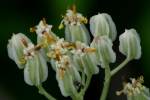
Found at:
[102, 24]
[104, 51]
[43, 27]
[135, 90]
[15, 47]
[130, 44]
[75, 29]
[36, 70]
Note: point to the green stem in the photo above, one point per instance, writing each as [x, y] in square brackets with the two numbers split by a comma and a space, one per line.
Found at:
[77, 97]
[86, 85]
[107, 81]
[81, 94]
[118, 68]
[42, 91]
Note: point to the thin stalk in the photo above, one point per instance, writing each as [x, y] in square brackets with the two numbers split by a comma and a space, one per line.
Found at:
[80, 95]
[86, 85]
[107, 81]
[77, 97]
[43, 92]
[119, 67]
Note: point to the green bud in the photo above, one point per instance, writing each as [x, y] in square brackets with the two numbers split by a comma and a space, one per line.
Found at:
[36, 70]
[102, 24]
[15, 47]
[130, 44]
[104, 49]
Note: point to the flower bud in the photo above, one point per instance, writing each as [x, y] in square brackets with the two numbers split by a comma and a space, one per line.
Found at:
[75, 29]
[104, 49]
[36, 70]
[15, 48]
[102, 24]
[130, 44]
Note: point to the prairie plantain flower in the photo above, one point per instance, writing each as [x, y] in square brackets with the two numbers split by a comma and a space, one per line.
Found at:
[102, 24]
[75, 29]
[15, 47]
[104, 49]
[135, 90]
[67, 75]
[36, 70]
[130, 44]
[45, 36]
[27, 56]
[85, 59]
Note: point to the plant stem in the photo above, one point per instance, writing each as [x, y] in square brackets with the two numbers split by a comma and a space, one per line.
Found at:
[77, 97]
[107, 81]
[119, 67]
[42, 91]
[81, 94]
[86, 85]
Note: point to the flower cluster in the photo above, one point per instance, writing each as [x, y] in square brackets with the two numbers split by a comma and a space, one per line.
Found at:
[75, 58]
[135, 89]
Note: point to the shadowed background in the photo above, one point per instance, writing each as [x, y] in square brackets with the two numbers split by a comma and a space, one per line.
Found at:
[19, 15]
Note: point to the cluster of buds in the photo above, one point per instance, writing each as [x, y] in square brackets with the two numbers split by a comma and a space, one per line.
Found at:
[135, 89]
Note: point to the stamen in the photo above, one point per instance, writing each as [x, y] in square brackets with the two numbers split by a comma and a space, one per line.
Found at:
[51, 54]
[84, 20]
[61, 26]
[118, 93]
[70, 45]
[23, 40]
[73, 8]
[141, 79]
[89, 50]
[38, 47]
[58, 54]
[44, 21]
[50, 38]
[32, 29]
[61, 72]
[22, 61]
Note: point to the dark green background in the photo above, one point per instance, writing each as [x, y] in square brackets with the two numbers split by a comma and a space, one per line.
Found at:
[19, 15]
